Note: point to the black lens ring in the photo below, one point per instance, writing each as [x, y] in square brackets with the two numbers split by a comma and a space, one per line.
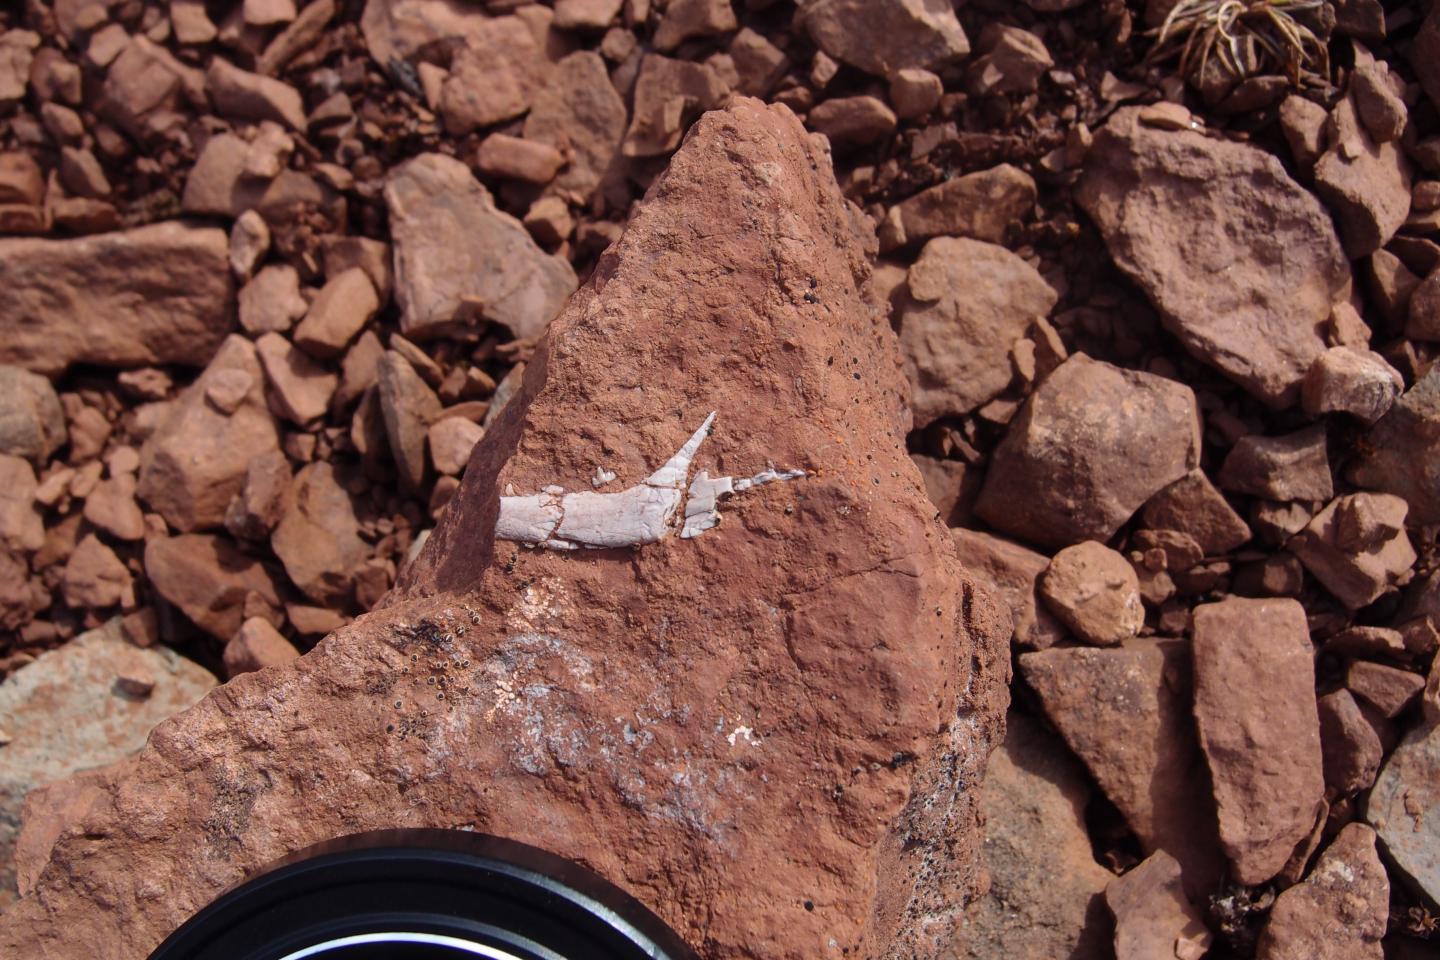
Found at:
[438, 887]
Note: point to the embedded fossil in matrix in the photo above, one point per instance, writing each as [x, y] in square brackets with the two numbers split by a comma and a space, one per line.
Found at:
[644, 513]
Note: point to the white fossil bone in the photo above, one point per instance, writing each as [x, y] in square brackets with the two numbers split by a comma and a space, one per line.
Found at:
[601, 477]
[644, 513]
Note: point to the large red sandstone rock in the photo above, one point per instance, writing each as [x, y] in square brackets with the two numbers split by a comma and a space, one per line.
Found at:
[730, 727]
[1241, 261]
[163, 291]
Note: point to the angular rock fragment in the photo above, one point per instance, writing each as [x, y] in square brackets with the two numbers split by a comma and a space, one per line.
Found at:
[1357, 547]
[1045, 886]
[1401, 454]
[1404, 808]
[255, 646]
[399, 29]
[1290, 467]
[409, 407]
[1365, 183]
[579, 113]
[1256, 714]
[1351, 748]
[258, 506]
[1094, 591]
[451, 439]
[858, 120]
[318, 537]
[981, 205]
[163, 290]
[686, 19]
[94, 578]
[1125, 711]
[669, 95]
[271, 302]
[1192, 505]
[300, 388]
[1088, 448]
[21, 526]
[493, 76]
[1153, 916]
[1012, 571]
[1339, 912]
[915, 92]
[1011, 60]
[64, 714]
[968, 302]
[339, 311]
[501, 155]
[250, 96]
[553, 650]
[195, 460]
[1346, 380]
[1242, 262]
[458, 258]
[883, 36]
[209, 580]
[1388, 689]
[111, 507]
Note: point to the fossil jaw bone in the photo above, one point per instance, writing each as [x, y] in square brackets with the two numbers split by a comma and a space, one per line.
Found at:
[644, 513]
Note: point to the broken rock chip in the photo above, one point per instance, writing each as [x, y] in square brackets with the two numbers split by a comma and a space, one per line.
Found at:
[195, 460]
[757, 710]
[1351, 747]
[255, 646]
[459, 259]
[1401, 453]
[209, 579]
[1290, 467]
[1339, 912]
[1045, 886]
[1125, 711]
[1404, 808]
[1357, 547]
[64, 714]
[1153, 916]
[968, 303]
[1365, 183]
[1259, 727]
[1094, 591]
[32, 424]
[884, 36]
[580, 113]
[1192, 506]
[1242, 262]
[1012, 570]
[493, 75]
[669, 95]
[1348, 380]
[408, 407]
[1088, 448]
[163, 290]
[318, 537]
[981, 205]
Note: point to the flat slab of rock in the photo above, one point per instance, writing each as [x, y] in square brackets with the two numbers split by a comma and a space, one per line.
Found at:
[1402, 452]
[163, 290]
[1404, 808]
[1339, 912]
[1259, 727]
[1241, 261]
[459, 259]
[968, 303]
[884, 36]
[1045, 897]
[66, 712]
[1125, 712]
[1088, 448]
[664, 714]
[1294, 466]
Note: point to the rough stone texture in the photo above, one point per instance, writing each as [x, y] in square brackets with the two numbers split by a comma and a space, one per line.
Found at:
[580, 113]
[1011, 570]
[318, 537]
[209, 580]
[341, 308]
[1045, 886]
[1339, 912]
[1152, 912]
[300, 388]
[1242, 262]
[1352, 749]
[255, 646]
[1259, 727]
[1125, 711]
[458, 258]
[968, 302]
[408, 407]
[1357, 547]
[746, 699]
[21, 525]
[195, 461]
[1290, 467]
[669, 94]
[1346, 380]
[1404, 807]
[1388, 689]
[1192, 506]
[1090, 445]
[1366, 184]
[493, 75]
[884, 36]
[163, 290]
[399, 29]
[32, 425]
[852, 120]
[95, 578]
[981, 205]
[1401, 454]
[64, 714]
[1094, 591]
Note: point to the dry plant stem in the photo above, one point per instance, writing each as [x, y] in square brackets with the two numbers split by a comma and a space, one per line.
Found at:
[1234, 29]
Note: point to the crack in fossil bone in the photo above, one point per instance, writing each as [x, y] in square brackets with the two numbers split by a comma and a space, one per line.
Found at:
[641, 514]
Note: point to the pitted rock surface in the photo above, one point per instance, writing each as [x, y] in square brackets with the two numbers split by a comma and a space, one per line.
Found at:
[728, 727]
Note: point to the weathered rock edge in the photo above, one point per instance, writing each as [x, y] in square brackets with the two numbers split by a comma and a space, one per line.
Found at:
[772, 734]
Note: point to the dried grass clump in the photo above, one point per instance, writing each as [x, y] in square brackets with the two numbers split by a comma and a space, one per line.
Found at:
[1247, 38]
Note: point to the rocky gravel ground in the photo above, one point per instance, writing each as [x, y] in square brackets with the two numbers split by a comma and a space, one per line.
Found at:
[1168, 314]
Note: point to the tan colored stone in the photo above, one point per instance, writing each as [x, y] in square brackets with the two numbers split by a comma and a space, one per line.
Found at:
[883, 36]
[94, 578]
[493, 76]
[983, 205]
[339, 311]
[21, 527]
[1094, 591]
[451, 439]
[300, 388]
